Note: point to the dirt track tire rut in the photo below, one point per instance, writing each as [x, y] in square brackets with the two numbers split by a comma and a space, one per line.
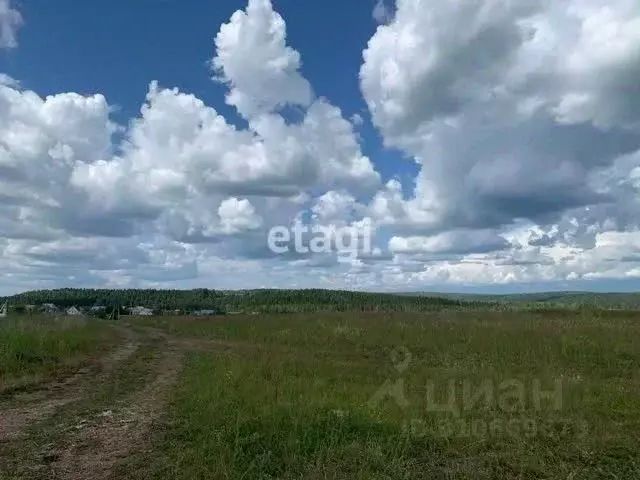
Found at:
[41, 403]
[94, 448]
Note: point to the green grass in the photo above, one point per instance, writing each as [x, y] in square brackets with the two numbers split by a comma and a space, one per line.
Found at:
[244, 426]
[286, 397]
[46, 346]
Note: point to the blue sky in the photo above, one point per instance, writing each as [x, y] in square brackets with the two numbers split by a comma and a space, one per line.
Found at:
[492, 146]
[116, 48]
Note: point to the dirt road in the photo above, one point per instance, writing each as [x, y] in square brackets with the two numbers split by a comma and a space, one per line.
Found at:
[84, 425]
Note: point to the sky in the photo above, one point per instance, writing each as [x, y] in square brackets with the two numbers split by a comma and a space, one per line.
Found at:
[485, 146]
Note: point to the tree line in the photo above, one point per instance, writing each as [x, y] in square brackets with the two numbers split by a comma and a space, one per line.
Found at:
[247, 301]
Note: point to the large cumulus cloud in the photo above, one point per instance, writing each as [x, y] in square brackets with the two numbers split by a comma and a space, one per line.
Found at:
[183, 179]
[511, 112]
[516, 112]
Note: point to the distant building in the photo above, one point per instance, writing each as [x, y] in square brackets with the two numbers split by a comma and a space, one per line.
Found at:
[73, 312]
[140, 311]
[3, 311]
[204, 313]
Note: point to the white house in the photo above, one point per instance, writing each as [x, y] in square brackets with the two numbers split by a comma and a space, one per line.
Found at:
[141, 311]
[3, 311]
[73, 312]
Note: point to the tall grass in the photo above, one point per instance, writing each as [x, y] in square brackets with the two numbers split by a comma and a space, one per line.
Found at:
[45, 345]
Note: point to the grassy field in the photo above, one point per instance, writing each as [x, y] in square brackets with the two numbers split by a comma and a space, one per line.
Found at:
[36, 349]
[452, 395]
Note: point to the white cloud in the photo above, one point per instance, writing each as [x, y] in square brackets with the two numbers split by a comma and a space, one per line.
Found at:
[335, 207]
[10, 22]
[237, 216]
[254, 60]
[182, 158]
[456, 242]
[598, 68]
[511, 112]
[40, 142]
[382, 13]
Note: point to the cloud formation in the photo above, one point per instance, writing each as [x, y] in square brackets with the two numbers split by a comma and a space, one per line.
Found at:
[523, 117]
[382, 12]
[10, 22]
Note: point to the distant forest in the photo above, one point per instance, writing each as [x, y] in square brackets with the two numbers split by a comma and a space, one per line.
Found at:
[315, 300]
[263, 301]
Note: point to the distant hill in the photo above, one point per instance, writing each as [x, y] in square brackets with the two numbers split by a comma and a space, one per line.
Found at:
[316, 300]
[587, 299]
[232, 301]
